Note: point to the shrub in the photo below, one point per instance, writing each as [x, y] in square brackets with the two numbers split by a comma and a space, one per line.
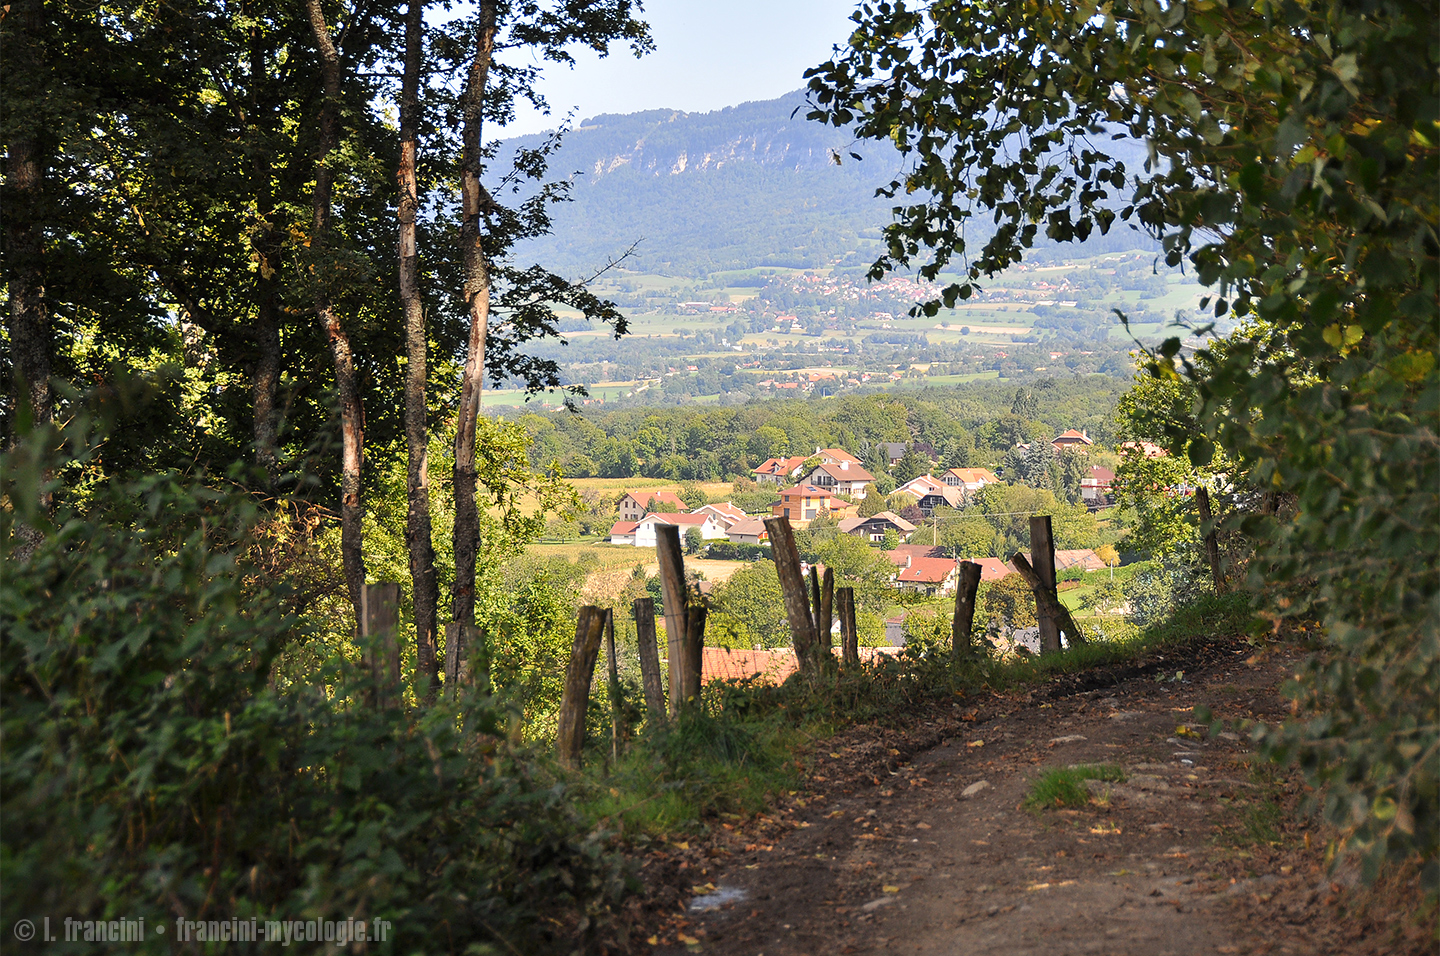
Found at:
[155, 768]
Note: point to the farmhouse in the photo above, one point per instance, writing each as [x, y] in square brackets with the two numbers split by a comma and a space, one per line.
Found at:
[726, 513]
[710, 529]
[633, 506]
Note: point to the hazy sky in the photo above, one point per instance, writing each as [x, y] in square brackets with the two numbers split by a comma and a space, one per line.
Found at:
[707, 55]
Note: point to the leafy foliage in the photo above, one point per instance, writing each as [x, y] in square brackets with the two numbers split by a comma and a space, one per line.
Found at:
[1310, 208]
[142, 610]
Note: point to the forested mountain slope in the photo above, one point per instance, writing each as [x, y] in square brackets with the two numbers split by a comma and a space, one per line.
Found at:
[749, 185]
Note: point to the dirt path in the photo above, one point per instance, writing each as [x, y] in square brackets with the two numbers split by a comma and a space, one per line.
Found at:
[937, 856]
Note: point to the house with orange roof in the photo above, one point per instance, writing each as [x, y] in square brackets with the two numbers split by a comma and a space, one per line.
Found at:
[635, 504]
[1070, 438]
[802, 504]
[778, 471]
[934, 576]
[834, 456]
[623, 532]
[971, 479]
[842, 478]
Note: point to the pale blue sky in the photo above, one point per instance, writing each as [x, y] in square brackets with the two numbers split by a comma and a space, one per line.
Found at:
[707, 55]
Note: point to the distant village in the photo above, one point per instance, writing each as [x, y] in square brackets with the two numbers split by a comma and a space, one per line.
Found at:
[832, 484]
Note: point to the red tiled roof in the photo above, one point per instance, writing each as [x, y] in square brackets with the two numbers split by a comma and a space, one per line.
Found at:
[992, 569]
[673, 518]
[927, 570]
[853, 473]
[623, 527]
[666, 498]
[806, 491]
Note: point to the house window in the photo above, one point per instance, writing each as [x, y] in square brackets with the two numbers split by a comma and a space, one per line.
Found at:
[787, 512]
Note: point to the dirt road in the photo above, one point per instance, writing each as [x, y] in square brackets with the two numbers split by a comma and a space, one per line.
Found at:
[936, 855]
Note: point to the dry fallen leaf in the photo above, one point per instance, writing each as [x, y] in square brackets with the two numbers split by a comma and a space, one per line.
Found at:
[889, 889]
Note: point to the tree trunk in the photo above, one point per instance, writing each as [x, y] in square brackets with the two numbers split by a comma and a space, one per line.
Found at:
[352, 426]
[29, 318]
[476, 202]
[265, 379]
[1212, 543]
[418, 539]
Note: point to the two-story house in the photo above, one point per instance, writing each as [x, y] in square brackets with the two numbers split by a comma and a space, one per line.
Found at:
[841, 478]
[802, 504]
[971, 479]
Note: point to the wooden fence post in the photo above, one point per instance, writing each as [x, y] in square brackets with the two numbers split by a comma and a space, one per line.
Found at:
[1212, 543]
[792, 585]
[962, 625]
[694, 652]
[575, 699]
[617, 710]
[1047, 603]
[1042, 554]
[672, 583]
[826, 618]
[379, 617]
[644, 610]
[849, 633]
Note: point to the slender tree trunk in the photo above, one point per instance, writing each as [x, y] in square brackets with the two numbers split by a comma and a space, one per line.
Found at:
[417, 520]
[1212, 542]
[265, 379]
[476, 202]
[352, 426]
[29, 317]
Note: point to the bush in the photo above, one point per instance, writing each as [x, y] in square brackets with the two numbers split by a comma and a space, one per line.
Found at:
[156, 768]
[728, 551]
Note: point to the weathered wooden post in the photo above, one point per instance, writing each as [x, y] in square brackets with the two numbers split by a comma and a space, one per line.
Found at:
[644, 610]
[379, 618]
[617, 710]
[1042, 553]
[792, 585]
[694, 651]
[672, 583]
[575, 698]
[1212, 543]
[849, 633]
[962, 625]
[1047, 603]
[826, 616]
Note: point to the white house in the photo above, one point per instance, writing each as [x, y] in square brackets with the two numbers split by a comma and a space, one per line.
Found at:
[725, 513]
[918, 488]
[622, 532]
[971, 479]
[710, 529]
[841, 478]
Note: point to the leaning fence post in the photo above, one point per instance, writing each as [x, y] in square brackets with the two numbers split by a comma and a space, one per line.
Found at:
[672, 583]
[644, 610]
[575, 699]
[962, 625]
[379, 618]
[1042, 554]
[1047, 604]
[849, 633]
[792, 585]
